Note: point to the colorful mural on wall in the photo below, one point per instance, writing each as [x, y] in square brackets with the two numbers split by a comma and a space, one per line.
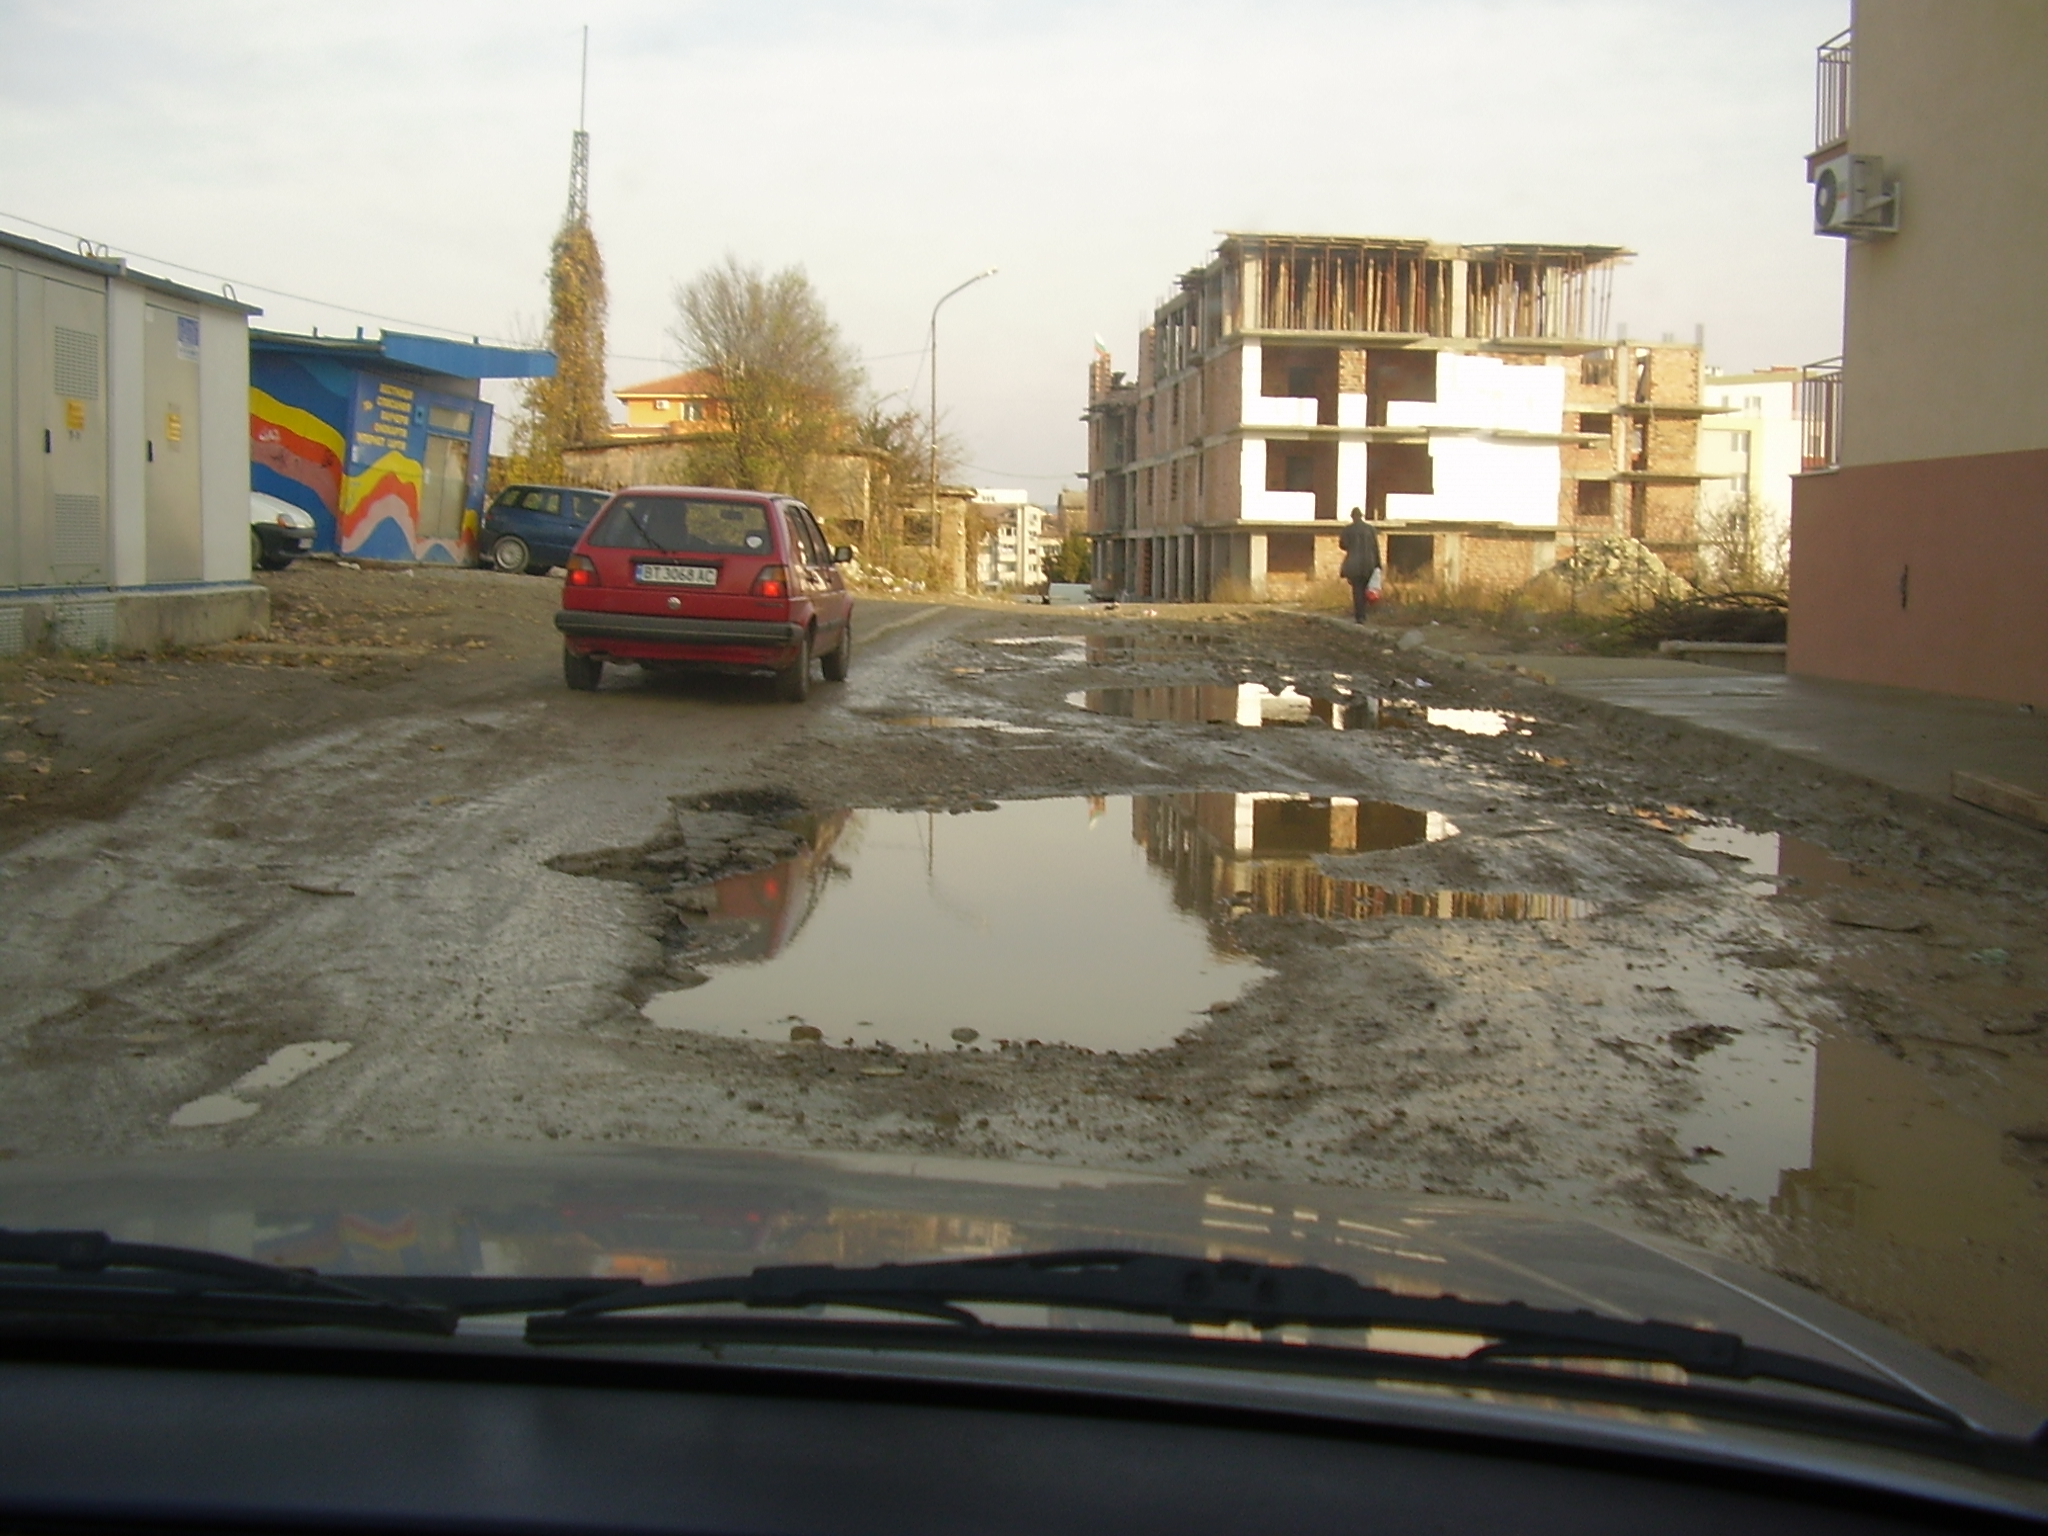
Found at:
[389, 468]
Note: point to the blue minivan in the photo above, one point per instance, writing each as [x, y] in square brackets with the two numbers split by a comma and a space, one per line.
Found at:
[532, 527]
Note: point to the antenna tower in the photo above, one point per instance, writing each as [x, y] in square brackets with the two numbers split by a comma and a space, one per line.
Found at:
[579, 147]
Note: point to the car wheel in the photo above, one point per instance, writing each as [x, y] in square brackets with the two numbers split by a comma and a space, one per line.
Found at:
[255, 551]
[582, 673]
[839, 660]
[511, 556]
[275, 562]
[793, 682]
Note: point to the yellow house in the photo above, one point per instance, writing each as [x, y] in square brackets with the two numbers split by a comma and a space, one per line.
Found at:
[680, 405]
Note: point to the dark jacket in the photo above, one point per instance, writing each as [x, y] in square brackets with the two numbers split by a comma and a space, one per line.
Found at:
[1361, 545]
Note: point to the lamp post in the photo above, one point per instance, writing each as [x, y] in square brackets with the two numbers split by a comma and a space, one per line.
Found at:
[934, 424]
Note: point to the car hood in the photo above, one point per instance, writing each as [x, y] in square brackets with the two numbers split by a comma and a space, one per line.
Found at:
[660, 1215]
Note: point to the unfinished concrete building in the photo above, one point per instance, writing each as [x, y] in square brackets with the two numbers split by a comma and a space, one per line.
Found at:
[1463, 396]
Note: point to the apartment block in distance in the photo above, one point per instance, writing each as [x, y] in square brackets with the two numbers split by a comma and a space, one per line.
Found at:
[1920, 525]
[1464, 397]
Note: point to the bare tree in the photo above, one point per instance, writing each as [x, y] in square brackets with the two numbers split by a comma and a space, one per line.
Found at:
[1743, 546]
[788, 379]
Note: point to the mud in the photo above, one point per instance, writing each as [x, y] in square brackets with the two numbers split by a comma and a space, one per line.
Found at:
[1651, 973]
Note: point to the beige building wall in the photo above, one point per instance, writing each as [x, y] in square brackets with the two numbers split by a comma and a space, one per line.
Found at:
[1944, 319]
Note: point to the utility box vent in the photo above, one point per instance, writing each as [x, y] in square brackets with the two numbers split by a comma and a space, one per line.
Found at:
[76, 356]
[78, 536]
[84, 626]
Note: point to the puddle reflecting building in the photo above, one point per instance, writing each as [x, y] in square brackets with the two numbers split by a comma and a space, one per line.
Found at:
[1236, 853]
[1921, 1208]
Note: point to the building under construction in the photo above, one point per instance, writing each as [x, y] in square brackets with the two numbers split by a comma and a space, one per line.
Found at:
[1463, 396]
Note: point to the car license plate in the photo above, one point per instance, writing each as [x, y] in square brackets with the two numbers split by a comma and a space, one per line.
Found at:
[678, 575]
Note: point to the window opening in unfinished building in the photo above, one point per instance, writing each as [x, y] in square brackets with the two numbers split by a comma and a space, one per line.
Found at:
[1411, 556]
[1597, 421]
[1597, 368]
[1299, 471]
[1595, 500]
[1391, 375]
[1290, 554]
[1397, 469]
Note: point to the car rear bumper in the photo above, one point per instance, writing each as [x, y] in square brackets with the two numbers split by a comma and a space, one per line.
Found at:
[657, 629]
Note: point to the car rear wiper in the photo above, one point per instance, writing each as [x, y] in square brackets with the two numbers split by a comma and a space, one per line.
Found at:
[646, 533]
[1215, 1293]
[91, 1274]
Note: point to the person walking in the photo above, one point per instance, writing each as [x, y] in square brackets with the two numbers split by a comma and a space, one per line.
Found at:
[1361, 567]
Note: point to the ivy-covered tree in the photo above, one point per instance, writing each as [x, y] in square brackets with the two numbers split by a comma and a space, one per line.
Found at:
[571, 408]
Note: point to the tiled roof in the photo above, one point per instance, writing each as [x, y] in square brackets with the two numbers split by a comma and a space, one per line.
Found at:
[698, 382]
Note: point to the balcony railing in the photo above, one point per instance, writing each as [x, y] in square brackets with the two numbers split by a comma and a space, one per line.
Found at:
[1831, 91]
[1820, 415]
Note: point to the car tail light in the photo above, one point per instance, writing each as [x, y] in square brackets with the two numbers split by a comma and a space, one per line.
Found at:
[582, 571]
[772, 582]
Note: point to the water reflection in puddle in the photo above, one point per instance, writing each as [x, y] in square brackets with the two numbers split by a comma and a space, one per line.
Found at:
[1238, 854]
[964, 723]
[1254, 704]
[1248, 704]
[1044, 921]
[1753, 1128]
[1123, 650]
[1754, 1120]
[283, 1067]
[1775, 859]
[1100, 922]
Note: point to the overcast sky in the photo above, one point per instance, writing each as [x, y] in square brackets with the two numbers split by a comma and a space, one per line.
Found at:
[406, 164]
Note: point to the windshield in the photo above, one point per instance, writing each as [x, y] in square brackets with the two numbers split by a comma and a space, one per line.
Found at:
[1445, 680]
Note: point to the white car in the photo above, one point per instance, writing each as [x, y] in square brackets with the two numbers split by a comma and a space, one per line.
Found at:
[278, 532]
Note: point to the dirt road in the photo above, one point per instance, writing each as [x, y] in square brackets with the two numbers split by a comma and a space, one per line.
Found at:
[383, 879]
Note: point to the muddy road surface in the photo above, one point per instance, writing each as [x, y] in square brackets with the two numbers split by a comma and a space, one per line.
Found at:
[1198, 891]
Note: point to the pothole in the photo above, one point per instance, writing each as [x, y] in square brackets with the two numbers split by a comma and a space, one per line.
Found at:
[963, 723]
[1145, 649]
[1245, 704]
[1235, 854]
[1254, 704]
[1102, 922]
[1048, 921]
[283, 1067]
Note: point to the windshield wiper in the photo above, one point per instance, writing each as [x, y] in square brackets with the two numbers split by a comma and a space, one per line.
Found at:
[1215, 1293]
[91, 1274]
[646, 533]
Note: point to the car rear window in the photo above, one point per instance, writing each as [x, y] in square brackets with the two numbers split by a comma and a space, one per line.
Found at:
[679, 525]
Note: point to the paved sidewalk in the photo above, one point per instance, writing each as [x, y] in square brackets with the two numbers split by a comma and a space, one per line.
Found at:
[1909, 740]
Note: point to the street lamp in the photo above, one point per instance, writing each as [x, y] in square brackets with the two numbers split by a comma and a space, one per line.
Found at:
[934, 346]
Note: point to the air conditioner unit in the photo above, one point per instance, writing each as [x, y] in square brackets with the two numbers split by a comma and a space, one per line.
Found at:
[1853, 197]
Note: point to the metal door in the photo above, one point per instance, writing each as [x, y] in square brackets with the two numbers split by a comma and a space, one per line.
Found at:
[444, 487]
[170, 392]
[69, 395]
[13, 497]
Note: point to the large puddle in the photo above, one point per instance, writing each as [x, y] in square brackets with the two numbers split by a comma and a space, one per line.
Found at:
[1099, 922]
[1254, 704]
[1040, 921]
[1752, 1135]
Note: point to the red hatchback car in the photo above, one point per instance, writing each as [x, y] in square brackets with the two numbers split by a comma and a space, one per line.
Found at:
[697, 578]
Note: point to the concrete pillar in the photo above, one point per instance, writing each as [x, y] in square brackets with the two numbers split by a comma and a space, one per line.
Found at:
[1255, 572]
